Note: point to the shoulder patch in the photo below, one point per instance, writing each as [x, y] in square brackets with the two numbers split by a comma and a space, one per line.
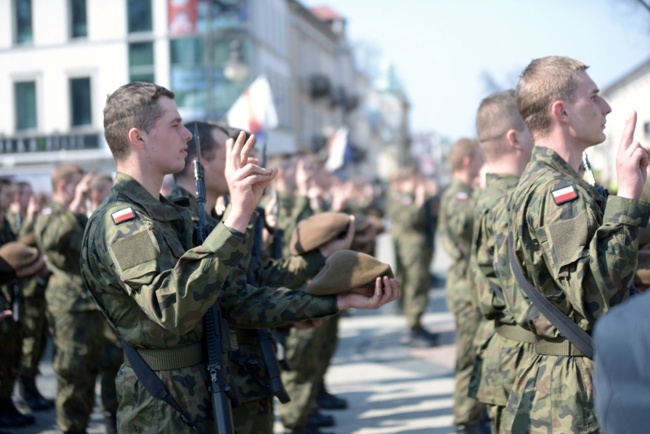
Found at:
[461, 195]
[564, 195]
[46, 211]
[123, 215]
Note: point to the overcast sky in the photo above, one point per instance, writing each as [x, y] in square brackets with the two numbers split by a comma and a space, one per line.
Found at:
[442, 49]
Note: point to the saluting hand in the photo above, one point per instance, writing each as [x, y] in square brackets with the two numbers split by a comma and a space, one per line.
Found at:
[246, 181]
[632, 161]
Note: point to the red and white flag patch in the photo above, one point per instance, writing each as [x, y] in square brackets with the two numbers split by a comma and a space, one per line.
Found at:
[564, 195]
[123, 215]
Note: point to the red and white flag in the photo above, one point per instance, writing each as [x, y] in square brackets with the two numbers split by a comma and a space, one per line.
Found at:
[254, 110]
[337, 149]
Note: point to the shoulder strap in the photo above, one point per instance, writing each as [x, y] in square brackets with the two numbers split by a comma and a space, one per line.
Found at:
[560, 321]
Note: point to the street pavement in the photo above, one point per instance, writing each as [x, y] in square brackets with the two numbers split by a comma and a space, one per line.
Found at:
[390, 387]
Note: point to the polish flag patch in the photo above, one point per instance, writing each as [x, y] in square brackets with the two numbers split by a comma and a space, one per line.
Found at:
[123, 215]
[564, 195]
[461, 195]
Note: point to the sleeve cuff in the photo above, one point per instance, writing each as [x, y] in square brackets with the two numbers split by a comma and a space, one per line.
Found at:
[626, 211]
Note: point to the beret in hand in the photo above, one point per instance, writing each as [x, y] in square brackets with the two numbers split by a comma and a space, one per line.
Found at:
[317, 230]
[346, 270]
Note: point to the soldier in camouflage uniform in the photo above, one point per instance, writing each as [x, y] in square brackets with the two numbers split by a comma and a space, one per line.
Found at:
[34, 320]
[75, 320]
[249, 375]
[112, 354]
[579, 251]
[11, 327]
[507, 146]
[406, 206]
[139, 260]
[455, 228]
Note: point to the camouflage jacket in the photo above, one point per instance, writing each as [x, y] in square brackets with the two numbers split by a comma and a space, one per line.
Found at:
[408, 219]
[579, 251]
[490, 209]
[455, 225]
[291, 210]
[59, 233]
[7, 288]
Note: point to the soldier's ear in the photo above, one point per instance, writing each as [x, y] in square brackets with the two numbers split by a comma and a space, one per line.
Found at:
[136, 139]
[559, 112]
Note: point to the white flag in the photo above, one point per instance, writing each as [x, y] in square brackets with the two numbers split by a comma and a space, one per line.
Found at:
[254, 110]
[336, 149]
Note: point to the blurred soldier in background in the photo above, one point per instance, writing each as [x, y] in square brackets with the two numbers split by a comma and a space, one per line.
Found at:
[456, 230]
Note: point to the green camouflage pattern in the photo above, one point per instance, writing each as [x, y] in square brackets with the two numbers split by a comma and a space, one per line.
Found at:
[111, 361]
[291, 210]
[77, 356]
[413, 253]
[455, 227]
[254, 417]
[156, 286]
[58, 234]
[10, 330]
[497, 358]
[582, 255]
[35, 332]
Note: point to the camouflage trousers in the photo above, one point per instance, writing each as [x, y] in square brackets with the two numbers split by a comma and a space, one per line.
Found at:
[77, 340]
[467, 411]
[495, 369]
[35, 334]
[10, 337]
[309, 353]
[112, 357]
[412, 270]
[254, 417]
[552, 394]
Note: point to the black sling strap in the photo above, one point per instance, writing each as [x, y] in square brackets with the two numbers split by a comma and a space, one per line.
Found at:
[560, 321]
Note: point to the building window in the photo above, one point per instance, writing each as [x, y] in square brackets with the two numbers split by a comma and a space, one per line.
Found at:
[78, 20]
[80, 102]
[25, 94]
[141, 66]
[140, 17]
[23, 21]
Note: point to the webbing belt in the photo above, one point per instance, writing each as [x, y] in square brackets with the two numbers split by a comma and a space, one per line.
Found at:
[171, 358]
[515, 333]
[557, 347]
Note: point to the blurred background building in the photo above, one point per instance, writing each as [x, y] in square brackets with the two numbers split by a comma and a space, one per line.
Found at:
[61, 58]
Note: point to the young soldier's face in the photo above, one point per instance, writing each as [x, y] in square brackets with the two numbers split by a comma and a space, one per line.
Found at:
[166, 142]
[215, 170]
[588, 112]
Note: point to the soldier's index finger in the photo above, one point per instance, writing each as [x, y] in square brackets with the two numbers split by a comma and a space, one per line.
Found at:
[628, 132]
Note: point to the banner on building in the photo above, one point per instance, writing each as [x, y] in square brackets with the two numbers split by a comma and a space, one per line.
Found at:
[254, 111]
[183, 15]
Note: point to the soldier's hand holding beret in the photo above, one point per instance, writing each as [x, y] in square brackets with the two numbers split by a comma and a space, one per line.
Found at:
[20, 259]
[346, 271]
[318, 230]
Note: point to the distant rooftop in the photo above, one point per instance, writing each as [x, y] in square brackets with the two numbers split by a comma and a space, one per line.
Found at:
[326, 13]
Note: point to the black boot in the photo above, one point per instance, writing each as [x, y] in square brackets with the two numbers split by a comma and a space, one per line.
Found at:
[29, 393]
[110, 421]
[327, 401]
[320, 420]
[11, 417]
[422, 338]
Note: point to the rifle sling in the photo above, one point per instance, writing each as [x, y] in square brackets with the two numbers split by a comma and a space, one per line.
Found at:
[569, 329]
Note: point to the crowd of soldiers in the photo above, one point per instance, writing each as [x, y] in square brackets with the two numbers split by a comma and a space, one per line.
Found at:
[287, 250]
[123, 271]
[540, 253]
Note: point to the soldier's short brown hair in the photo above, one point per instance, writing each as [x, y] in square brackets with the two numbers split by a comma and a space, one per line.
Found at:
[460, 149]
[497, 114]
[543, 82]
[65, 173]
[134, 105]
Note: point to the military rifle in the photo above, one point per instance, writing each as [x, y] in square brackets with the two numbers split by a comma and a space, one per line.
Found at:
[215, 326]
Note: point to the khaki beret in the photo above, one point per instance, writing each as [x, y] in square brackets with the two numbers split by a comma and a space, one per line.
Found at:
[317, 230]
[345, 270]
[29, 239]
[642, 276]
[15, 255]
